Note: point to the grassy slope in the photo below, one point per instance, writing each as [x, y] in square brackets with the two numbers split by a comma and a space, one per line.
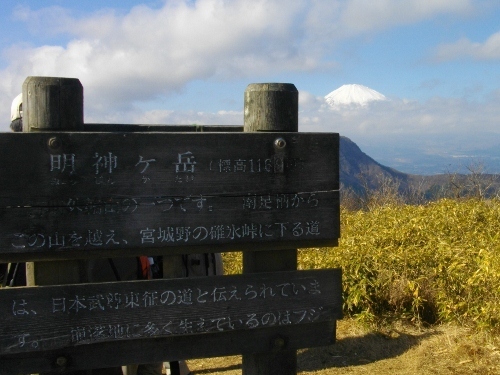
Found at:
[434, 262]
[438, 262]
[405, 270]
[399, 349]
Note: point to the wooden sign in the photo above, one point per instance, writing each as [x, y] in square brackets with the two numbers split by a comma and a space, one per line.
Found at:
[100, 194]
[55, 317]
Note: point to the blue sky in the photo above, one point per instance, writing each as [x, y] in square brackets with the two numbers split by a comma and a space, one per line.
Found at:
[180, 61]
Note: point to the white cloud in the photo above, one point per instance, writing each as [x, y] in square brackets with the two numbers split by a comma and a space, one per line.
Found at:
[151, 52]
[438, 127]
[189, 117]
[489, 50]
[367, 15]
[437, 116]
[146, 54]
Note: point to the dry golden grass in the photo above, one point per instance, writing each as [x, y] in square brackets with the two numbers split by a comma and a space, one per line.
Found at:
[432, 263]
[421, 292]
[396, 349]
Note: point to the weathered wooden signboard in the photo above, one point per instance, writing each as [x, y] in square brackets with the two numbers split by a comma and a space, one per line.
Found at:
[97, 194]
[83, 195]
[56, 317]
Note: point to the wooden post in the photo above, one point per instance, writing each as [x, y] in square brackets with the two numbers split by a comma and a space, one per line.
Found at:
[271, 107]
[51, 103]
[173, 267]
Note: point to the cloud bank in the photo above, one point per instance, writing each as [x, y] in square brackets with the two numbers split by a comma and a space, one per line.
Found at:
[123, 60]
[489, 50]
[130, 62]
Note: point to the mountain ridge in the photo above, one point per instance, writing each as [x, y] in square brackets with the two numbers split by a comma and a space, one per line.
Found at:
[360, 172]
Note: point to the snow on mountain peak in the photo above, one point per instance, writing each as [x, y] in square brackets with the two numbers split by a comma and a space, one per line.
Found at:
[353, 94]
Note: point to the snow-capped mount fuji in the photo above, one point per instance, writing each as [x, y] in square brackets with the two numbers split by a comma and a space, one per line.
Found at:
[353, 95]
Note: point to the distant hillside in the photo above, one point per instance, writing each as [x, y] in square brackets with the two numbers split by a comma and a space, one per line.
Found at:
[359, 171]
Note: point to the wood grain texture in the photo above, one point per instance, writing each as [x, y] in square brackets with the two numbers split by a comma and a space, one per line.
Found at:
[99, 194]
[52, 103]
[49, 103]
[55, 317]
[109, 354]
[271, 107]
[124, 128]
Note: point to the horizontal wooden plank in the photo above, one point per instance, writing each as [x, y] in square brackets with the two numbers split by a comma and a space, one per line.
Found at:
[98, 127]
[54, 317]
[110, 354]
[142, 227]
[124, 165]
[101, 193]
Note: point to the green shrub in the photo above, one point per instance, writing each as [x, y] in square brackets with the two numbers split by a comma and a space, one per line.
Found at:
[430, 263]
